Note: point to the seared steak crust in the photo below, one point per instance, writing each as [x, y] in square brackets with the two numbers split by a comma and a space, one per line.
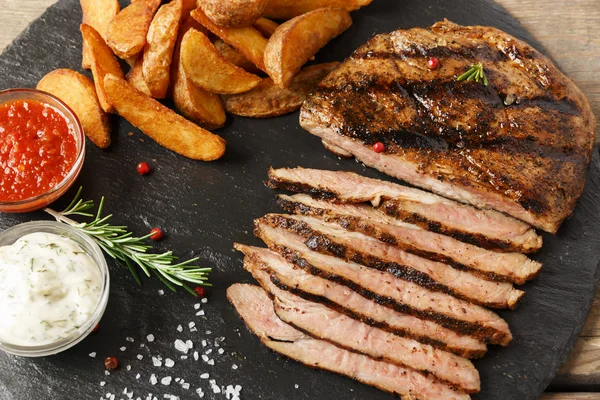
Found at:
[520, 145]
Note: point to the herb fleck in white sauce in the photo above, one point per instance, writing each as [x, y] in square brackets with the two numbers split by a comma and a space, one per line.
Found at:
[49, 287]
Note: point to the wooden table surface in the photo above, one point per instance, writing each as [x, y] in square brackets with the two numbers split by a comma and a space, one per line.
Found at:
[569, 31]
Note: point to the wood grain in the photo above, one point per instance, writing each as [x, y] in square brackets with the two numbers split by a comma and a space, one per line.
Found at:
[568, 30]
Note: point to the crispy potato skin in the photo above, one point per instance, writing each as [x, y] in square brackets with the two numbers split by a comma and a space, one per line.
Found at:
[126, 34]
[233, 13]
[235, 57]
[78, 92]
[165, 126]
[299, 39]
[196, 104]
[247, 40]
[269, 100]
[287, 9]
[103, 62]
[135, 77]
[265, 26]
[160, 43]
[98, 14]
[208, 69]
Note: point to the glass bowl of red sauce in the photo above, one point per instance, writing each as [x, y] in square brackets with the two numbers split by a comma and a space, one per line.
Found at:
[42, 149]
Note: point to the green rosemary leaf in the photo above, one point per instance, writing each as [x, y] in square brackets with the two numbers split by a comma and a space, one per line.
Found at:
[476, 73]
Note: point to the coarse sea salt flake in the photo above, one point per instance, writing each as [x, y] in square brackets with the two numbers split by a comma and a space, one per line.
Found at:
[128, 368]
[208, 351]
[153, 379]
[296, 386]
[183, 357]
[166, 380]
[137, 376]
[129, 339]
[194, 329]
[220, 351]
[234, 366]
[211, 362]
[204, 300]
[106, 373]
[102, 383]
[185, 385]
[204, 343]
[140, 357]
[200, 313]
[191, 324]
[161, 292]
[208, 332]
[204, 357]
[169, 363]
[150, 338]
[196, 355]
[196, 306]
[93, 354]
[179, 328]
[123, 348]
[156, 362]
[204, 376]
[189, 344]
[181, 346]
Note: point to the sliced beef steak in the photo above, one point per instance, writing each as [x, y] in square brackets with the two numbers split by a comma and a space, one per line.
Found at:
[328, 238]
[328, 324]
[485, 228]
[503, 267]
[255, 308]
[403, 296]
[520, 145]
[339, 297]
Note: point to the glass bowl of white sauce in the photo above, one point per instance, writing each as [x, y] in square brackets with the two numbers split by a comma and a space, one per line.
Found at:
[54, 286]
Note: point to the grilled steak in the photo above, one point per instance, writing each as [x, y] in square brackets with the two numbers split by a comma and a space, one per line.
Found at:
[339, 297]
[485, 228]
[328, 238]
[403, 296]
[503, 267]
[520, 145]
[325, 323]
[255, 308]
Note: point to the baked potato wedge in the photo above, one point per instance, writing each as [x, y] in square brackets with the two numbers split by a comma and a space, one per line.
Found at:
[208, 69]
[126, 34]
[79, 93]
[299, 39]
[233, 13]
[287, 9]
[103, 62]
[97, 14]
[165, 126]
[158, 53]
[269, 100]
[247, 40]
[235, 57]
[265, 26]
[196, 104]
[187, 7]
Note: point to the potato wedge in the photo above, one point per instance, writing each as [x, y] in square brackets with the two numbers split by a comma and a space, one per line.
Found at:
[287, 9]
[165, 126]
[160, 43]
[135, 77]
[207, 68]
[78, 92]
[247, 40]
[235, 57]
[269, 100]
[299, 39]
[103, 62]
[126, 34]
[266, 27]
[233, 13]
[194, 103]
[188, 6]
[97, 14]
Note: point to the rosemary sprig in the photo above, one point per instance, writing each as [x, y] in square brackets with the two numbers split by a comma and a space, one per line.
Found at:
[131, 251]
[476, 73]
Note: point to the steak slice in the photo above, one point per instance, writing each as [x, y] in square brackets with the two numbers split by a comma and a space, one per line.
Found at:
[254, 307]
[503, 267]
[328, 238]
[327, 324]
[520, 145]
[485, 228]
[403, 296]
[339, 297]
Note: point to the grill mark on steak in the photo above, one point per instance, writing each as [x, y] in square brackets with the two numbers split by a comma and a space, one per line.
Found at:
[300, 282]
[500, 267]
[327, 239]
[256, 310]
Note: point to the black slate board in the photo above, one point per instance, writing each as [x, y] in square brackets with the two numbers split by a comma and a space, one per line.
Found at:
[205, 207]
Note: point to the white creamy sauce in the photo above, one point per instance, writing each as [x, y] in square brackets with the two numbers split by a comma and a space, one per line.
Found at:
[49, 287]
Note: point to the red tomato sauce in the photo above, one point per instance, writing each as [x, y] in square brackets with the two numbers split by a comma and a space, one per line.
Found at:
[37, 149]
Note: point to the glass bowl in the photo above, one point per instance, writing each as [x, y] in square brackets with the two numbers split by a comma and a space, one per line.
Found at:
[42, 200]
[11, 235]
